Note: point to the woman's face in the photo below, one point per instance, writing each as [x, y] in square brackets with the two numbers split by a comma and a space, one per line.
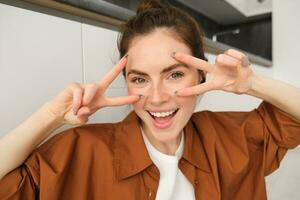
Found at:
[152, 72]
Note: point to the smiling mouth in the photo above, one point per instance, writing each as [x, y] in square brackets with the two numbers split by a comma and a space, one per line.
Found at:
[163, 120]
[166, 114]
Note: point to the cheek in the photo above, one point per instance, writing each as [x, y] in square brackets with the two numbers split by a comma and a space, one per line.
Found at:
[183, 83]
[194, 78]
[136, 91]
[187, 103]
[130, 90]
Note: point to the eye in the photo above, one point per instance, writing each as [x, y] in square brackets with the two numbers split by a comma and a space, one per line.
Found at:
[176, 75]
[138, 80]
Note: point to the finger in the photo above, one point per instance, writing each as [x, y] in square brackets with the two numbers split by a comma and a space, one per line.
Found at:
[86, 111]
[113, 73]
[225, 60]
[195, 90]
[118, 101]
[83, 119]
[77, 96]
[193, 61]
[245, 62]
[83, 111]
[240, 56]
[89, 92]
[234, 53]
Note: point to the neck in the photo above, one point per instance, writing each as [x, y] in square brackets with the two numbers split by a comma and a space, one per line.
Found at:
[167, 147]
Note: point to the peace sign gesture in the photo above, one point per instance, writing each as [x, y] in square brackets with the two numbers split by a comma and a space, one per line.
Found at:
[78, 101]
[230, 73]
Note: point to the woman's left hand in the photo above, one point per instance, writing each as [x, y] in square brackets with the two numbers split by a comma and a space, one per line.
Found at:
[230, 73]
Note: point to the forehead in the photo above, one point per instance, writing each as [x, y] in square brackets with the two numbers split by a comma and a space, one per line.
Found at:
[153, 51]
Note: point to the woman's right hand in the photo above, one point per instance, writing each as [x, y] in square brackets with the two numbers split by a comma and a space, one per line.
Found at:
[78, 101]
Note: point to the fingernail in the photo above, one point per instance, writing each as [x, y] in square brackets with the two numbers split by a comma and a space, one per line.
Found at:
[245, 62]
[173, 54]
[141, 96]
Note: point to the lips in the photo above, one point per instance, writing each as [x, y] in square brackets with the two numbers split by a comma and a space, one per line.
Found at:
[163, 120]
[161, 114]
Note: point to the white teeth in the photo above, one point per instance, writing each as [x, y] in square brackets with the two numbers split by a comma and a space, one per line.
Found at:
[162, 114]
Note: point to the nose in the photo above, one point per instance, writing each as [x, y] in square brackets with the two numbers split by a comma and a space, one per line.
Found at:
[158, 95]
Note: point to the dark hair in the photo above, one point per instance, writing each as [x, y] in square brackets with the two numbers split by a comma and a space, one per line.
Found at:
[153, 14]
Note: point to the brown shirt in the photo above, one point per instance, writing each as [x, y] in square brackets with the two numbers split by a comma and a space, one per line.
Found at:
[226, 156]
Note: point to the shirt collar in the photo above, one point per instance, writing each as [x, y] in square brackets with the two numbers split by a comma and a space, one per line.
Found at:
[194, 151]
[131, 155]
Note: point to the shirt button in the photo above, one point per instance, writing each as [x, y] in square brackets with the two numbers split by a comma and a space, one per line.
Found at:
[196, 182]
[149, 194]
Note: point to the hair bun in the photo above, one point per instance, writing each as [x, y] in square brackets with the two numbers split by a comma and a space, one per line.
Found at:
[148, 5]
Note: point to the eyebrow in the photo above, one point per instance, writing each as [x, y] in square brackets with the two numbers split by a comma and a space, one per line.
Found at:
[165, 70]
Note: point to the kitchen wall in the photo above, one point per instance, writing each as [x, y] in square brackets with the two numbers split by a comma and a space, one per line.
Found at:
[255, 35]
[41, 53]
[284, 183]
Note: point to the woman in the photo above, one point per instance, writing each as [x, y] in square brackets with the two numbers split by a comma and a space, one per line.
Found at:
[162, 150]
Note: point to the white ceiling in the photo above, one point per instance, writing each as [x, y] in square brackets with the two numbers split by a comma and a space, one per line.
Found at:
[229, 12]
[252, 7]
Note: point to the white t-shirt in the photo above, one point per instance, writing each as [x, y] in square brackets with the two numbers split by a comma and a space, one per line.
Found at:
[173, 185]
